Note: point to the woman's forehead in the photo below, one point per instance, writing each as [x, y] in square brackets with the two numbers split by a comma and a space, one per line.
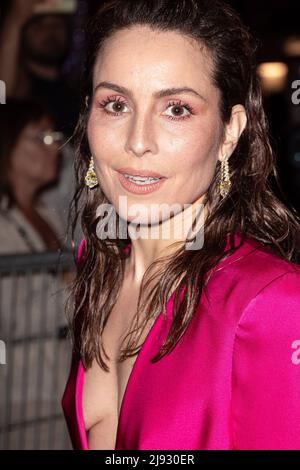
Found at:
[151, 59]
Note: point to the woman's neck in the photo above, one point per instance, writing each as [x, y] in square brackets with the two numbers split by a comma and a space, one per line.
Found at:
[147, 248]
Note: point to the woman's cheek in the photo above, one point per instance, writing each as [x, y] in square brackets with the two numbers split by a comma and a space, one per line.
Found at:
[95, 129]
[102, 138]
[28, 153]
[90, 127]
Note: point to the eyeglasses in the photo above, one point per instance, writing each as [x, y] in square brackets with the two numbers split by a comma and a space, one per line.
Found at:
[48, 137]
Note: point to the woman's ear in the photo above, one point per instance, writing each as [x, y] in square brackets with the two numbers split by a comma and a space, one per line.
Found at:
[233, 130]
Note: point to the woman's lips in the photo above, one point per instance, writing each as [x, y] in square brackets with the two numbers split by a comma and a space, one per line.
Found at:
[136, 172]
[139, 189]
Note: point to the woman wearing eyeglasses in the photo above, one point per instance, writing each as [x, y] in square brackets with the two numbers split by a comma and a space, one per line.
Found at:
[31, 302]
[29, 162]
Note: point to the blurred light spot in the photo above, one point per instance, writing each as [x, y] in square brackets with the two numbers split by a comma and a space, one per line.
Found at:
[291, 46]
[48, 139]
[273, 76]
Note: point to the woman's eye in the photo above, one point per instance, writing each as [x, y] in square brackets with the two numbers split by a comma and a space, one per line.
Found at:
[112, 106]
[179, 111]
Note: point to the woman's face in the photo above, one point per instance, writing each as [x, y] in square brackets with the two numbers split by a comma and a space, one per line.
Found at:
[175, 134]
[32, 159]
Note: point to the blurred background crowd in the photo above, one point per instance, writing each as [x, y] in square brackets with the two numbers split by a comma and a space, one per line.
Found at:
[41, 55]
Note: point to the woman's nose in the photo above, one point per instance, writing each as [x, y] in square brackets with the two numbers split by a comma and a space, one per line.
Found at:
[141, 138]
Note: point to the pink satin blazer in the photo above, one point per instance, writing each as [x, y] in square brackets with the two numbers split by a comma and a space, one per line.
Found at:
[232, 381]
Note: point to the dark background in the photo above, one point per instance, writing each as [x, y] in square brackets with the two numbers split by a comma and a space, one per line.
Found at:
[272, 22]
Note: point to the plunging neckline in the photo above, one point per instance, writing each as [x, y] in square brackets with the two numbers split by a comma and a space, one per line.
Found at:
[139, 357]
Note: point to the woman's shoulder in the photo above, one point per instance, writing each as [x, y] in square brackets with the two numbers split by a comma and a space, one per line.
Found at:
[276, 284]
[253, 271]
[266, 354]
[264, 262]
[267, 292]
[257, 261]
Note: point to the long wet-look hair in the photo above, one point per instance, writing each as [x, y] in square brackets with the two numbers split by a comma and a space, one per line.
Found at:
[255, 205]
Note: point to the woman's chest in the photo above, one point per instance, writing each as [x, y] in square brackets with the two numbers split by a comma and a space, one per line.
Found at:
[103, 391]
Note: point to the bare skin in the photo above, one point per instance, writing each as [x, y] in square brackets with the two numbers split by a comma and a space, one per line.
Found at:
[103, 392]
[142, 136]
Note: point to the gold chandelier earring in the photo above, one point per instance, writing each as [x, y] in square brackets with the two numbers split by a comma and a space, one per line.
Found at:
[225, 182]
[91, 179]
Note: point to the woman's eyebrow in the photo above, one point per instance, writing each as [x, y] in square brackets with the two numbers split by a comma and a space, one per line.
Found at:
[156, 94]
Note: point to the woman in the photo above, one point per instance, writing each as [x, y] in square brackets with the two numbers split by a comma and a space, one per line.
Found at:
[31, 301]
[171, 92]
[29, 159]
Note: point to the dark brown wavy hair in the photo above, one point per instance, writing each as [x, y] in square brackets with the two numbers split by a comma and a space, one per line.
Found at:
[255, 205]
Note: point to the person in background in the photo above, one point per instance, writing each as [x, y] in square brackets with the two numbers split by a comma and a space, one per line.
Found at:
[31, 302]
[33, 50]
[29, 163]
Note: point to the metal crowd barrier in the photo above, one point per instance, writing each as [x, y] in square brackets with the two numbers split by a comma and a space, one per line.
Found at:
[35, 350]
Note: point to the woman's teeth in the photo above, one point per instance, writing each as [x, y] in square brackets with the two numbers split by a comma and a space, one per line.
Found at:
[141, 180]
